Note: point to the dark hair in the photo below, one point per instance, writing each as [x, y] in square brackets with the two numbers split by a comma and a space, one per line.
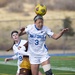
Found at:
[14, 32]
[37, 17]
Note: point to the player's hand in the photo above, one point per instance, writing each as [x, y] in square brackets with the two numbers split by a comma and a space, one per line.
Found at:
[6, 59]
[65, 30]
[22, 29]
[21, 48]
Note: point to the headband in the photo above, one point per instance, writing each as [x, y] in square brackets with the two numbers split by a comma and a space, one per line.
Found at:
[38, 17]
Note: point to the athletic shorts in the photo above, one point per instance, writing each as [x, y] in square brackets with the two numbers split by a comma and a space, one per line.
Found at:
[38, 59]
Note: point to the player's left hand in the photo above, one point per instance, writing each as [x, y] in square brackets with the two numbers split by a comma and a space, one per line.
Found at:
[65, 30]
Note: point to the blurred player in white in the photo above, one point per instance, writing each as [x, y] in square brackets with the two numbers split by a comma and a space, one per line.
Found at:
[37, 48]
[20, 49]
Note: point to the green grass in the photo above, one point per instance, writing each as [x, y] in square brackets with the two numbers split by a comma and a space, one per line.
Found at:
[7, 70]
[57, 62]
[63, 61]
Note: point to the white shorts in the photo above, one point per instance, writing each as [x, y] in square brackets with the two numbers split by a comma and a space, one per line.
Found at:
[38, 59]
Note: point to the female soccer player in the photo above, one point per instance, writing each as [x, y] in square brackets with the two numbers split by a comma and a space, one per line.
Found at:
[37, 48]
[20, 50]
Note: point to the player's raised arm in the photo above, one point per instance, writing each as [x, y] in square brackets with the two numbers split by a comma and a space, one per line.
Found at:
[22, 31]
[11, 58]
[23, 52]
[57, 36]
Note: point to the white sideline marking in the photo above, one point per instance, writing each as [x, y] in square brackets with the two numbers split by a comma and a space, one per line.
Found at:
[8, 63]
[54, 68]
[64, 69]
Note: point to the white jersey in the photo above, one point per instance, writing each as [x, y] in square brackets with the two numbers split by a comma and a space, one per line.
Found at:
[18, 54]
[36, 39]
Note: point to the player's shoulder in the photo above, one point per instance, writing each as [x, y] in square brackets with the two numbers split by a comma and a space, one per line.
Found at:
[46, 28]
[13, 45]
[30, 25]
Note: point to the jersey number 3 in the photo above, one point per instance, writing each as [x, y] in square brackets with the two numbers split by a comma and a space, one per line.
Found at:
[36, 42]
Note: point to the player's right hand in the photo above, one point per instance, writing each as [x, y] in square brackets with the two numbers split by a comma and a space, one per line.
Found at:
[22, 29]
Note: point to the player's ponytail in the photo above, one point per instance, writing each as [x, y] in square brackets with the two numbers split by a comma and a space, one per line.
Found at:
[10, 47]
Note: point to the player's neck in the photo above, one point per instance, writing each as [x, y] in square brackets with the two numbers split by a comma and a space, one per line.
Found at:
[17, 41]
[38, 27]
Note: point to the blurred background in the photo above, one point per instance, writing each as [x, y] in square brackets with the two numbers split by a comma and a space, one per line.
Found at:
[15, 14]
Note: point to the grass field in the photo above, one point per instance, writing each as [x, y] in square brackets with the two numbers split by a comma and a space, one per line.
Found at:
[61, 65]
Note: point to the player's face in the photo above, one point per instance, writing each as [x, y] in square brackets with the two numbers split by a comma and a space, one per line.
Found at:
[39, 23]
[15, 36]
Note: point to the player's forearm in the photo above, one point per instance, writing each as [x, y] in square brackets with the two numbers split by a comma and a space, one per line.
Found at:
[22, 32]
[8, 59]
[57, 36]
[23, 53]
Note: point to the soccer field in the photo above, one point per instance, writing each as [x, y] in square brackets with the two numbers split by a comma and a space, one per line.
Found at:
[61, 65]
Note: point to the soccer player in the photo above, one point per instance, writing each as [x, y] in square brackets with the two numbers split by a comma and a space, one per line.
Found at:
[37, 48]
[20, 51]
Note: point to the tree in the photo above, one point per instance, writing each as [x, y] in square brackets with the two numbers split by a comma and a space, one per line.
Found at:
[67, 24]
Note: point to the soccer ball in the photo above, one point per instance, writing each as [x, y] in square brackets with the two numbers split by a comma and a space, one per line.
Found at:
[40, 9]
